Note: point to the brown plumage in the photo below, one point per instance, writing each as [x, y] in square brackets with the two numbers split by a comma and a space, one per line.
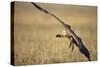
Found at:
[81, 47]
[74, 39]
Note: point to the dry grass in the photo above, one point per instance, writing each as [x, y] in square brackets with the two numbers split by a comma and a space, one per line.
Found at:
[35, 33]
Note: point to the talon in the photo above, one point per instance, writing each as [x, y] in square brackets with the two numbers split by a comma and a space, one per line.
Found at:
[69, 45]
[71, 42]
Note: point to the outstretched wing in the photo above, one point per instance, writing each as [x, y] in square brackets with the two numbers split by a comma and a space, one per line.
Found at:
[78, 41]
[84, 50]
[41, 9]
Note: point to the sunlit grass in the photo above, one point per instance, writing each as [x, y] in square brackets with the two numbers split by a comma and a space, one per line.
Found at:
[36, 42]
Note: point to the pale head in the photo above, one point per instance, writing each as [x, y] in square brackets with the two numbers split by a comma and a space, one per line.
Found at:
[63, 32]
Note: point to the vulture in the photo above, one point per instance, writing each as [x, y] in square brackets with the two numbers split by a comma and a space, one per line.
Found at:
[75, 40]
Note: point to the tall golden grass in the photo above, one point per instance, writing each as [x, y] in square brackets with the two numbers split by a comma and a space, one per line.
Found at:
[35, 32]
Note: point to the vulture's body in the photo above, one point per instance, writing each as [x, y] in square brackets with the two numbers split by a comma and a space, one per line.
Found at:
[75, 40]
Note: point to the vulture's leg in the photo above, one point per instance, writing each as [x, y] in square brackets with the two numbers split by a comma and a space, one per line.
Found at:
[71, 42]
[73, 47]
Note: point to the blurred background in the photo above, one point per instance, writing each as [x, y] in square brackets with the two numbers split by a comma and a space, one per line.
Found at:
[35, 33]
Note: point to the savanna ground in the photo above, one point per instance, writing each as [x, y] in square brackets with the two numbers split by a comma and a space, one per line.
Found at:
[35, 32]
